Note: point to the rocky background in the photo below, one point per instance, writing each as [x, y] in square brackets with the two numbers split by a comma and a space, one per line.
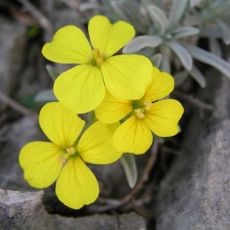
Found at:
[184, 183]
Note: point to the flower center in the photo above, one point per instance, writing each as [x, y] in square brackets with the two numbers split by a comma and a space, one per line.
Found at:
[140, 113]
[140, 108]
[99, 59]
[70, 150]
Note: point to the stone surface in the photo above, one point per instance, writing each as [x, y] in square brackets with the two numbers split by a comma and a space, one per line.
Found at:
[12, 43]
[20, 211]
[195, 194]
[17, 134]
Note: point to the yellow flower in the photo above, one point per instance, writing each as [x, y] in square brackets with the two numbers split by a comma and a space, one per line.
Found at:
[144, 116]
[63, 158]
[82, 88]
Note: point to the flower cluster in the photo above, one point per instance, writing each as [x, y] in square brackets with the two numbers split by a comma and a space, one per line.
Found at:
[125, 90]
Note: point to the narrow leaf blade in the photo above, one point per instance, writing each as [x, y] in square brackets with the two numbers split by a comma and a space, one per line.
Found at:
[177, 11]
[182, 53]
[141, 42]
[198, 77]
[185, 32]
[225, 30]
[209, 58]
[156, 59]
[52, 71]
[159, 18]
[45, 96]
[129, 165]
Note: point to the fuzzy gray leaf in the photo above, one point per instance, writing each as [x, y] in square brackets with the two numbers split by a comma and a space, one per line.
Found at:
[141, 42]
[177, 11]
[45, 96]
[225, 30]
[52, 71]
[209, 58]
[185, 32]
[180, 77]
[166, 57]
[194, 3]
[156, 59]
[129, 164]
[215, 47]
[183, 54]
[198, 77]
[159, 18]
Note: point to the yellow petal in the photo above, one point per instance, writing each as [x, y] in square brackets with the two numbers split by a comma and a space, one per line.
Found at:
[163, 117]
[113, 109]
[162, 85]
[127, 76]
[41, 162]
[60, 124]
[96, 146]
[76, 186]
[69, 45]
[81, 89]
[133, 136]
[107, 37]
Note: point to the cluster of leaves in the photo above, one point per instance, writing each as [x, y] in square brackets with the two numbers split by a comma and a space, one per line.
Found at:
[177, 31]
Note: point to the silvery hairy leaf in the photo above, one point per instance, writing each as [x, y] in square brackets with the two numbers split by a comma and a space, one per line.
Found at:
[177, 11]
[185, 32]
[198, 76]
[215, 47]
[156, 59]
[209, 58]
[129, 164]
[182, 54]
[194, 3]
[159, 18]
[225, 31]
[180, 77]
[45, 96]
[141, 42]
[52, 71]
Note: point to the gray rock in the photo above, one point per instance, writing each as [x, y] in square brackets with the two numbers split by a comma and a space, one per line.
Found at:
[19, 211]
[12, 43]
[18, 134]
[195, 194]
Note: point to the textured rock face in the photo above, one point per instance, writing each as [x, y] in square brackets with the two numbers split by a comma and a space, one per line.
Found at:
[12, 43]
[20, 211]
[18, 134]
[195, 195]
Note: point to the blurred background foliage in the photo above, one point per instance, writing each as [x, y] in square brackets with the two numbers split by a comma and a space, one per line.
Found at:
[177, 35]
[175, 28]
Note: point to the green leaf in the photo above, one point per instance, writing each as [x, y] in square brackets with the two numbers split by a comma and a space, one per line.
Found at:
[182, 53]
[52, 71]
[209, 58]
[129, 164]
[177, 11]
[198, 77]
[141, 42]
[185, 32]
[225, 30]
[45, 96]
[159, 18]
